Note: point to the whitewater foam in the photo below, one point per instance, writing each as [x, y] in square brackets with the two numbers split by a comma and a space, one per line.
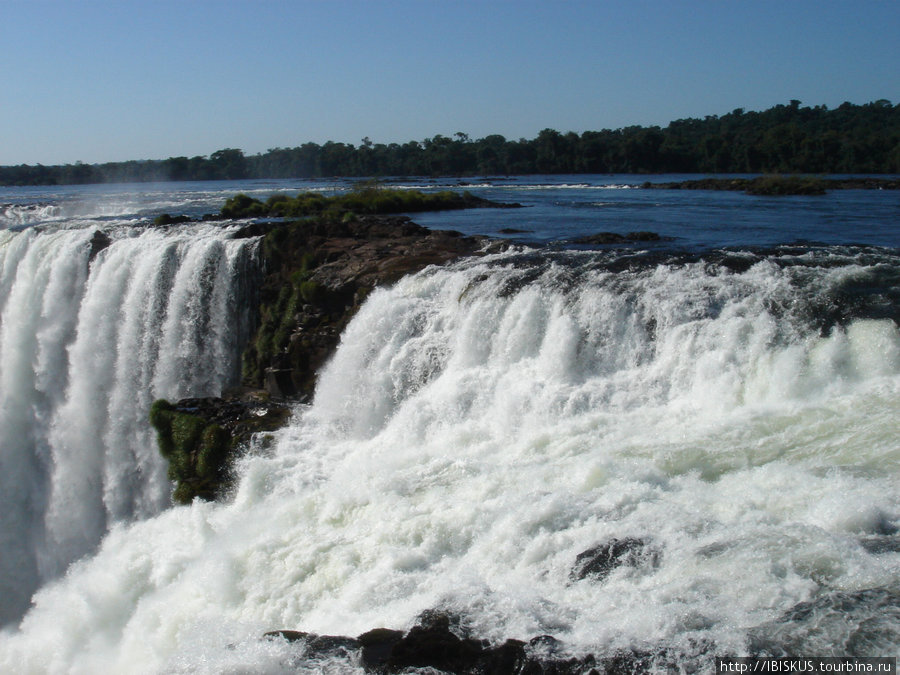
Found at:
[85, 346]
[478, 428]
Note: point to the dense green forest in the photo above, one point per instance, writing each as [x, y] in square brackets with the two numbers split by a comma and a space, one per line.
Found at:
[786, 138]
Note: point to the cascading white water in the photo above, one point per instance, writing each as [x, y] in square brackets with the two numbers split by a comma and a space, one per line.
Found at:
[479, 427]
[85, 347]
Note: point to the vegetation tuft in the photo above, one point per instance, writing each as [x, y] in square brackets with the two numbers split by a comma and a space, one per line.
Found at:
[196, 450]
[200, 451]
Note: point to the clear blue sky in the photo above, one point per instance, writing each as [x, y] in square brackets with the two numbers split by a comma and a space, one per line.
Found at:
[97, 81]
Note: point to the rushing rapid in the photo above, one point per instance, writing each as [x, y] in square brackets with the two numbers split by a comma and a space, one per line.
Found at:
[94, 324]
[482, 425]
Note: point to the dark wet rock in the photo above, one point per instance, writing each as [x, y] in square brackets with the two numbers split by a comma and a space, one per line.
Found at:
[599, 561]
[289, 635]
[512, 230]
[166, 219]
[255, 229]
[509, 657]
[626, 663]
[878, 544]
[439, 641]
[99, 241]
[643, 236]
[377, 645]
[279, 382]
[318, 645]
[433, 644]
[545, 644]
[329, 645]
[601, 238]
[241, 413]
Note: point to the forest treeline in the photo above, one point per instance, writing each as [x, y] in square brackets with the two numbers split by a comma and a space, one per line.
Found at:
[785, 139]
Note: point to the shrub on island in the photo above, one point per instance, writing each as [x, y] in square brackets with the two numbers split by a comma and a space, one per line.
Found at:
[366, 199]
[243, 206]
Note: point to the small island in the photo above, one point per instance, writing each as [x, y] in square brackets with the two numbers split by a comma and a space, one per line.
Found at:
[776, 185]
[369, 198]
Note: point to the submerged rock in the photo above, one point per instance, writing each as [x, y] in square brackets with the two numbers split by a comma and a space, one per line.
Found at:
[849, 623]
[605, 238]
[598, 562]
[879, 544]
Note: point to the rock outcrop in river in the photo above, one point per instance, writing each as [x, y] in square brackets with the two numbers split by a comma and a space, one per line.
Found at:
[316, 274]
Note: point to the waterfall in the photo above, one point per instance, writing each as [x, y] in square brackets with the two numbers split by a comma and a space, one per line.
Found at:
[87, 341]
[482, 425]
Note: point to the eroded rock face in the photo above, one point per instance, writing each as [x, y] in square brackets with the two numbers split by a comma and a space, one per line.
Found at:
[318, 273]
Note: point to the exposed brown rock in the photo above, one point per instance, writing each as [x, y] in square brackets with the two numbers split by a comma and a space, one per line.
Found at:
[318, 274]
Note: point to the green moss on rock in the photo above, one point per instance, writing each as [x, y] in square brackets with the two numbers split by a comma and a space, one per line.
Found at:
[311, 292]
[197, 451]
[201, 437]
